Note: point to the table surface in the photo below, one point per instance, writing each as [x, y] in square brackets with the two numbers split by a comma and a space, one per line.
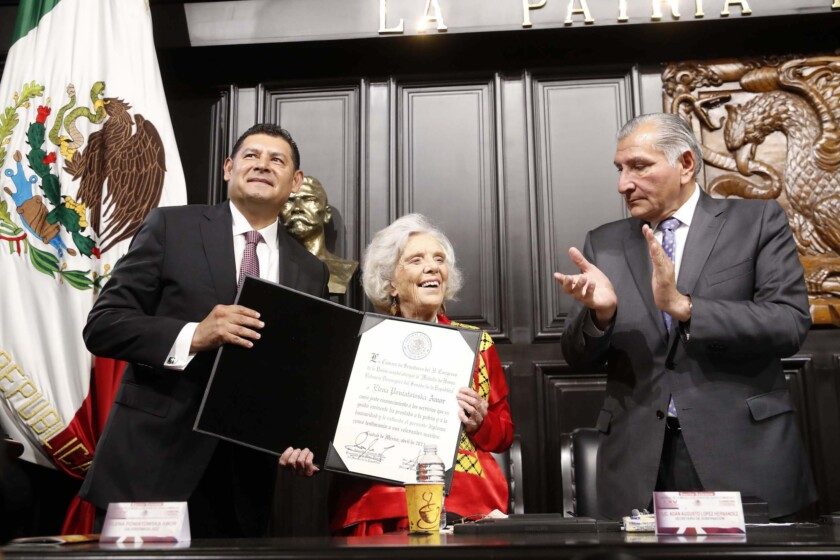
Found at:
[811, 541]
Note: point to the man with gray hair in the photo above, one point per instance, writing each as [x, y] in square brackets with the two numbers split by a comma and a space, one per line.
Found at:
[689, 304]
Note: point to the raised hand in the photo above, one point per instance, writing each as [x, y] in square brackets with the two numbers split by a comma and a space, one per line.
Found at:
[591, 287]
[664, 280]
[227, 324]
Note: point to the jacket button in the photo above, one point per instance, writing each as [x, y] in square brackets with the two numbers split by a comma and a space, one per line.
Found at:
[660, 415]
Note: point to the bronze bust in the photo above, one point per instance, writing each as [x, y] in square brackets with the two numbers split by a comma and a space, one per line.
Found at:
[305, 216]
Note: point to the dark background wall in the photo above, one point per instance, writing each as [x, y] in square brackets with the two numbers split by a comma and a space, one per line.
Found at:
[505, 139]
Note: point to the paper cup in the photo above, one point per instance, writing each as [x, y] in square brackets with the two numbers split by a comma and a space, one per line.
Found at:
[424, 501]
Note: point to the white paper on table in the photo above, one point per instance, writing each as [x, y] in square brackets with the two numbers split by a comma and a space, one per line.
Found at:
[139, 522]
[699, 513]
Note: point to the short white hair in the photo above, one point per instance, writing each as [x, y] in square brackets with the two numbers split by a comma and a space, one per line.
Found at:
[674, 137]
[383, 253]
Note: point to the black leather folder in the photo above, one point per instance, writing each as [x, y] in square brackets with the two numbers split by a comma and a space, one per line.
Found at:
[288, 389]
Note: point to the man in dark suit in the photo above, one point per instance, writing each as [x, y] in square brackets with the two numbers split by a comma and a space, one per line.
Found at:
[166, 310]
[689, 304]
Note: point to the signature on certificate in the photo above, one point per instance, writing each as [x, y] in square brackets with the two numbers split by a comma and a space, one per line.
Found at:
[368, 448]
[410, 463]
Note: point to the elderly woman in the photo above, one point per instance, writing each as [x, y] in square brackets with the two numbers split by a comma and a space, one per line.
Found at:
[410, 271]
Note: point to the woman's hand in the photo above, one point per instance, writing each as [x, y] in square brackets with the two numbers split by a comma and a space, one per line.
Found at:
[473, 409]
[300, 461]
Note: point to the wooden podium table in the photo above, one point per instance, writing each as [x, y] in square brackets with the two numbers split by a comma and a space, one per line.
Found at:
[802, 541]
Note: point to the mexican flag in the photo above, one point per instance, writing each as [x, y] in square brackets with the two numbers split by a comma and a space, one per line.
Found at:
[87, 149]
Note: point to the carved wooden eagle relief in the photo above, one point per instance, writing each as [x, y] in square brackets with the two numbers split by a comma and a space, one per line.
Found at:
[770, 128]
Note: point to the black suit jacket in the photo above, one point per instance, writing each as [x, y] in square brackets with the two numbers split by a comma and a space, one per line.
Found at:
[179, 266]
[750, 308]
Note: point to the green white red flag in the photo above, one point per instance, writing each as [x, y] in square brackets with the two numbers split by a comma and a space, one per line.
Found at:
[87, 149]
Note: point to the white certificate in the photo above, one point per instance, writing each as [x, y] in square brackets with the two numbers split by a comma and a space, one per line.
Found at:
[401, 396]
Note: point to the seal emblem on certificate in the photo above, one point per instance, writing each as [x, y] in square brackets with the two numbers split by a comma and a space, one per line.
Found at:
[417, 346]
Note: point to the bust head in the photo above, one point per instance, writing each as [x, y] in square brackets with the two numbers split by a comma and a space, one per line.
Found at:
[307, 212]
[305, 216]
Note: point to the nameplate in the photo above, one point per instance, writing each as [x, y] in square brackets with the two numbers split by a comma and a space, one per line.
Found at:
[146, 522]
[699, 513]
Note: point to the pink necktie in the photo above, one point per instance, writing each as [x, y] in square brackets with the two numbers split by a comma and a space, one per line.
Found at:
[250, 265]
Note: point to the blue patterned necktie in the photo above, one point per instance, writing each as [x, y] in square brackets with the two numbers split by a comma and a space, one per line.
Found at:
[669, 245]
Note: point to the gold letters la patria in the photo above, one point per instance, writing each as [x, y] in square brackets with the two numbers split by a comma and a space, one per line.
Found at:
[431, 12]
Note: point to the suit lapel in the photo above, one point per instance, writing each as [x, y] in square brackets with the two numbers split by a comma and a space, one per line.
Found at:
[636, 253]
[289, 266]
[706, 224]
[218, 249]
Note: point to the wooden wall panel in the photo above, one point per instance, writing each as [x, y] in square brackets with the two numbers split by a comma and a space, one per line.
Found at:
[222, 138]
[325, 126]
[571, 400]
[575, 121]
[826, 400]
[447, 171]
[814, 380]
[378, 204]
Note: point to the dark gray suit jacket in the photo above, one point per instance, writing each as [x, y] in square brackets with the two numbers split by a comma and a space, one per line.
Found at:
[750, 308]
[180, 265]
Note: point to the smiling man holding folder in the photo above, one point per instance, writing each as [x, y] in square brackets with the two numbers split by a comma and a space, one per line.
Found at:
[166, 310]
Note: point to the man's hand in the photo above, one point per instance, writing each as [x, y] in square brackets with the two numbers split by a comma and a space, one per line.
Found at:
[227, 324]
[664, 281]
[301, 461]
[473, 409]
[591, 287]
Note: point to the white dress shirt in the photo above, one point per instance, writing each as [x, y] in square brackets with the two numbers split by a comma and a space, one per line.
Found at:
[684, 214]
[267, 255]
